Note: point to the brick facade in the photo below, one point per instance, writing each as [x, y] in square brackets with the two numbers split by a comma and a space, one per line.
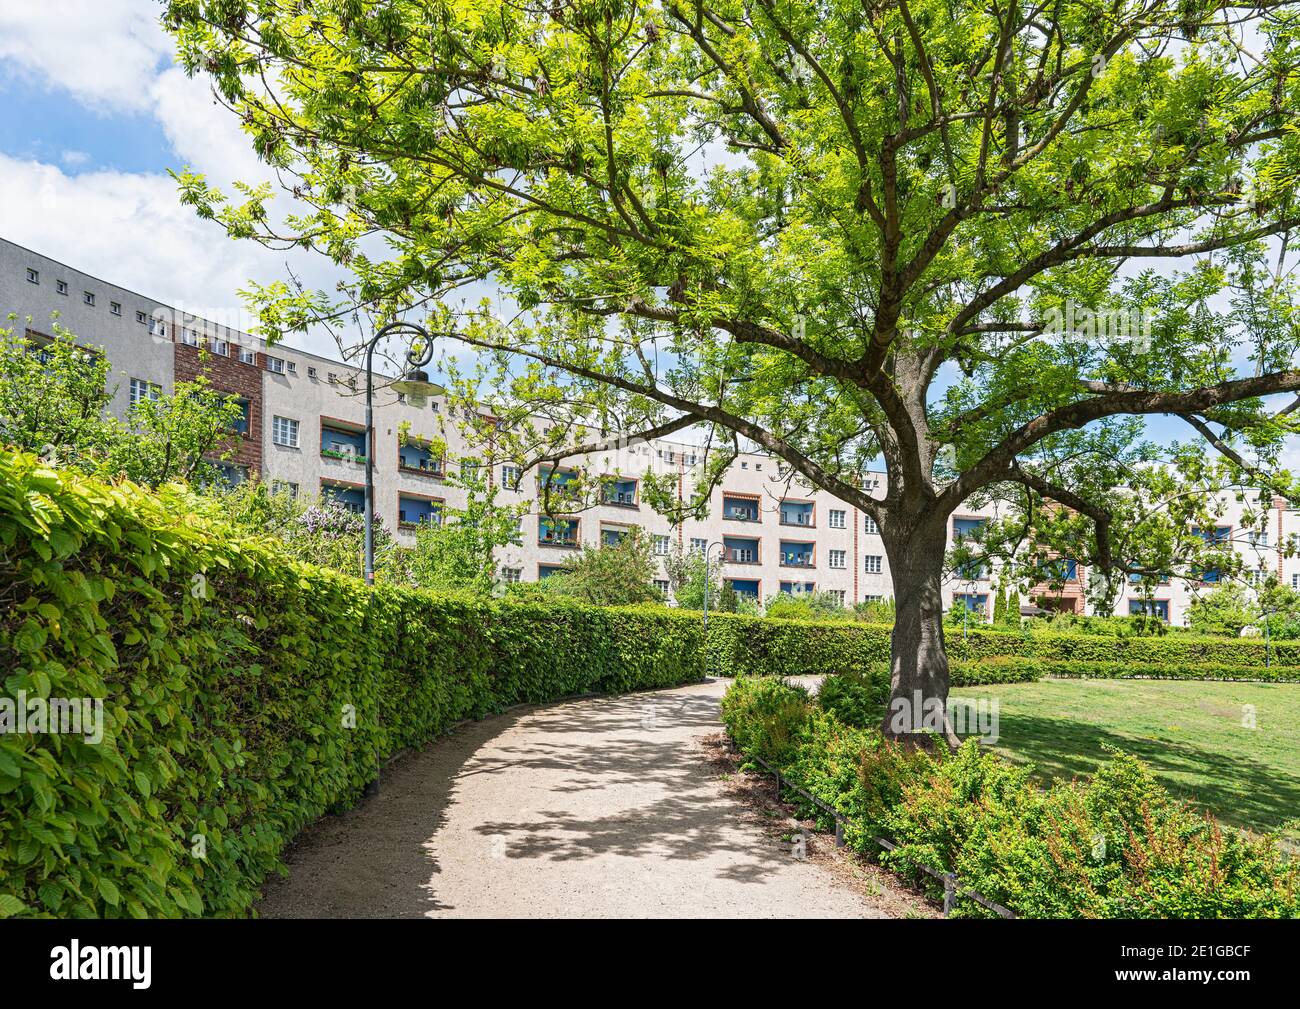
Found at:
[228, 374]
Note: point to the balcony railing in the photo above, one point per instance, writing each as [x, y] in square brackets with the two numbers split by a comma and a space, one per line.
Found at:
[432, 467]
[797, 519]
[622, 499]
[740, 556]
[740, 514]
[796, 560]
[558, 539]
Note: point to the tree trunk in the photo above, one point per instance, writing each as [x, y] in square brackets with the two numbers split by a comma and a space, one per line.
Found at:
[918, 697]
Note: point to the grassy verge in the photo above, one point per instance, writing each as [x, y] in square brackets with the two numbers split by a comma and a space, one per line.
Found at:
[1189, 733]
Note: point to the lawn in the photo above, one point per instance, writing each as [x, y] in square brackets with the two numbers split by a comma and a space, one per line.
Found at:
[1190, 733]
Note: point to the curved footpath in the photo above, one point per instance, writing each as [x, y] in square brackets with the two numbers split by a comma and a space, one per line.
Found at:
[602, 807]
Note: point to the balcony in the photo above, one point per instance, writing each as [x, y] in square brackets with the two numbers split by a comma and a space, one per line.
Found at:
[798, 513]
[739, 550]
[351, 499]
[342, 442]
[414, 457]
[796, 555]
[746, 587]
[621, 493]
[612, 536]
[413, 512]
[797, 588]
[740, 509]
[557, 532]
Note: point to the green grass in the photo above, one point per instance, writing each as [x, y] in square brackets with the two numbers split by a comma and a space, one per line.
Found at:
[1190, 733]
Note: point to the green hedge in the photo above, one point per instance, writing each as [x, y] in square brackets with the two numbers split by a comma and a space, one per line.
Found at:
[231, 680]
[757, 646]
[1114, 846]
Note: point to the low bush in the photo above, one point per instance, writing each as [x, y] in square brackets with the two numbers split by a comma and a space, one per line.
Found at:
[1115, 846]
[244, 694]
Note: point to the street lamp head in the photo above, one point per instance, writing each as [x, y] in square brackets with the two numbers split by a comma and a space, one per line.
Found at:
[415, 385]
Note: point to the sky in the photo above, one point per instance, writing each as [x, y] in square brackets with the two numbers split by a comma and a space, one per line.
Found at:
[93, 114]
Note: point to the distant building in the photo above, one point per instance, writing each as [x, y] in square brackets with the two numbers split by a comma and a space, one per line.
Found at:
[303, 428]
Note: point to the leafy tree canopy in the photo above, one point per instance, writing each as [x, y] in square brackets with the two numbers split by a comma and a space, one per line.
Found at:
[967, 239]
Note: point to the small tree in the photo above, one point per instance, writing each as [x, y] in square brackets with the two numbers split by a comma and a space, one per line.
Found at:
[612, 574]
[459, 552]
[55, 398]
[686, 572]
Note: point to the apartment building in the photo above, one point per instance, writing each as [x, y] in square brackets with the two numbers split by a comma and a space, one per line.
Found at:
[303, 428]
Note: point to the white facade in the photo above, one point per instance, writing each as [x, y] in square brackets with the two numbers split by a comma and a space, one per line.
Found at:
[771, 532]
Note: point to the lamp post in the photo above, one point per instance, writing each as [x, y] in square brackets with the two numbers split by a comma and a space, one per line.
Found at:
[414, 382]
[707, 577]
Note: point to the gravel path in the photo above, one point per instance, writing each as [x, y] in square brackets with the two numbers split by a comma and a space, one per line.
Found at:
[595, 808]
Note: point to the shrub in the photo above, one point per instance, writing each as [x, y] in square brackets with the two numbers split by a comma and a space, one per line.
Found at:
[244, 693]
[856, 697]
[1116, 846]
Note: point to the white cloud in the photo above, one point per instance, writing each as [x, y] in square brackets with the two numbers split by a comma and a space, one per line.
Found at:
[131, 230]
[103, 52]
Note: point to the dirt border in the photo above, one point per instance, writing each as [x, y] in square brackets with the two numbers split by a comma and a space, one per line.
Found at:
[873, 883]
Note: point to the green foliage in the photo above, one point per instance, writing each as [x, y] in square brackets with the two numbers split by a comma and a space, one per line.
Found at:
[619, 574]
[54, 400]
[686, 572]
[1116, 846]
[458, 552]
[244, 693]
[856, 697]
[1222, 611]
[807, 606]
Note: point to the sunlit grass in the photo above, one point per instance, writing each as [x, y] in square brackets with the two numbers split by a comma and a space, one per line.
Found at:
[1194, 735]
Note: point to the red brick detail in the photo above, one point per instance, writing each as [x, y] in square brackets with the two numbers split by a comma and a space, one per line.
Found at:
[229, 375]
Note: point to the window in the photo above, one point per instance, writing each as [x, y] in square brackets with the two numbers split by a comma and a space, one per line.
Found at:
[61, 286]
[698, 546]
[510, 477]
[157, 327]
[33, 276]
[88, 298]
[869, 524]
[293, 367]
[837, 518]
[1257, 537]
[838, 595]
[311, 371]
[284, 431]
[141, 318]
[662, 585]
[245, 415]
[661, 545]
[284, 487]
[838, 558]
[140, 390]
[275, 364]
[189, 337]
[115, 307]
[874, 564]
[247, 355]
[512, 575]
[1295, 581]
[221, 348]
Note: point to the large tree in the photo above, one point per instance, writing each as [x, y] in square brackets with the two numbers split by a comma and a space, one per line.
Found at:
[972, 239]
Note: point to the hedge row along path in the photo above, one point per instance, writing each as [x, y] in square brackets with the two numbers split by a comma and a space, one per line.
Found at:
[598, 807]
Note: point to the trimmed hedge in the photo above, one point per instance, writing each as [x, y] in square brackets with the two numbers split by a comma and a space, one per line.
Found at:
[1114, 846]
[239, 692]
[758, 646]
